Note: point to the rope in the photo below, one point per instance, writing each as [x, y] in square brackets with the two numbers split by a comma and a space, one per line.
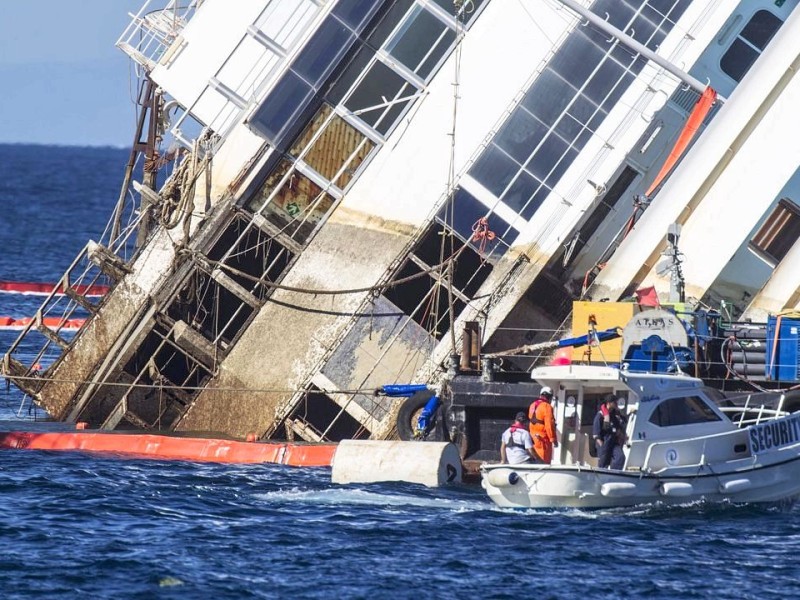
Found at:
[318, 292]
[160, 385]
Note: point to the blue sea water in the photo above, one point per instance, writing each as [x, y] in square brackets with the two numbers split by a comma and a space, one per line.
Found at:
[75, 525]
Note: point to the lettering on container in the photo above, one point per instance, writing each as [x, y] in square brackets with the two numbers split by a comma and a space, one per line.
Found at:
[775, 434]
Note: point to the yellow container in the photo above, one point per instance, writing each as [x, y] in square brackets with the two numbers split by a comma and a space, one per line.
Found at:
[607, 314]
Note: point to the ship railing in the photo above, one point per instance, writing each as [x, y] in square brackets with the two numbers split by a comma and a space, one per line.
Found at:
[64, 313]
[155, 30]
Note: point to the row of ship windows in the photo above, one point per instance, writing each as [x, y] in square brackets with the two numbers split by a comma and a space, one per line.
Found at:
[566, 104]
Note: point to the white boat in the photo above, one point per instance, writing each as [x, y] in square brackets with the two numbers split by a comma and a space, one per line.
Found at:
[683, 445]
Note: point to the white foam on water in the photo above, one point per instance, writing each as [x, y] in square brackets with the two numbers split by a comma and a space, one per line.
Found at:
[350, 496]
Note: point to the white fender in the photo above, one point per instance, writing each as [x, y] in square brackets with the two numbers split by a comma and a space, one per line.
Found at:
[676, 488]
[618, 489]
[735, 485]
[369, 461]
[502, 478]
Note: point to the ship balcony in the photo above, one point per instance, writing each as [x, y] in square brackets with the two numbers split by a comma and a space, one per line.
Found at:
[154, 33]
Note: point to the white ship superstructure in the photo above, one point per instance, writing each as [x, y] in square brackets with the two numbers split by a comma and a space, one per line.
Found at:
[344, 183]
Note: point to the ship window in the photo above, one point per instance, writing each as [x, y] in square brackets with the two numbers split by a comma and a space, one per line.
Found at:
[393, 16]
[548, 97]
[317, 417]
[282, 105]
[340, 144]
[577, 58]
[749, 44]
[323, 51]
[779, 232]
[760, 29]
[569, 101]
[381, 97]
[494, 169]
[462, 215]
[425, 298]
[270, 184]
[547, 157]
[421, 42]
[526, 194]
[298, 207]
[355, 12]
[256, 255]
[520, 135]
[581, 113]
[683, 411]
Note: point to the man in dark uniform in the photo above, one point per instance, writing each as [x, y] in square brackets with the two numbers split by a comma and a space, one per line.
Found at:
[608, 431]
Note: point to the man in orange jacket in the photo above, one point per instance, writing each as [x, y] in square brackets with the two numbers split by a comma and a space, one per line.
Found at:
[543, 425]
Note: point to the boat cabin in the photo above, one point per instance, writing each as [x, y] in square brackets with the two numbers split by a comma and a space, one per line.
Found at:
[673, 419]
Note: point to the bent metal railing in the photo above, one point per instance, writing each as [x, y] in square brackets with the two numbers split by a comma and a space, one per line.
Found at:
[155, 29]
[66, 311]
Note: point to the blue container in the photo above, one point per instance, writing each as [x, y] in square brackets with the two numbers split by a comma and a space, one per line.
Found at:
[785, 365]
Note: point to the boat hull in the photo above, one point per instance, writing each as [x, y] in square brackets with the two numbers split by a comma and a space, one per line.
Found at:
[541, 486]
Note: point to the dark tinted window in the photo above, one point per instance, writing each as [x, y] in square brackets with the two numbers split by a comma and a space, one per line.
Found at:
[323, 51]
[738, 59]
[379, 85]
[494, 169]
[421, 42]
[760, 29]
[747, 47]
[353, 12]
[520, 135]
[462, 214]
[683, 411]
[288, 97]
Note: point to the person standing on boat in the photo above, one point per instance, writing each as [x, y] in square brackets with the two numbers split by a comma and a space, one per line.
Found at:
[543, 425]
[608, 431]
[516, 445]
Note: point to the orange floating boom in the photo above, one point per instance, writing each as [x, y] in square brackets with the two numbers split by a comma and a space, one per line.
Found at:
[52, 322]
[163, 447]
[43, 289]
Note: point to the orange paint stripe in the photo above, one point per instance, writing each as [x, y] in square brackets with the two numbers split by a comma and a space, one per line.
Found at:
[164, 447]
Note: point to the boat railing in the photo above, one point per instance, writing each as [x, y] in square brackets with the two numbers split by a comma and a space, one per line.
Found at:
[64, 313]
[743, 416]
[155, 29]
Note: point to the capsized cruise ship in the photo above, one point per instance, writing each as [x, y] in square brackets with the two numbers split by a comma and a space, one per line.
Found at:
[322, 193]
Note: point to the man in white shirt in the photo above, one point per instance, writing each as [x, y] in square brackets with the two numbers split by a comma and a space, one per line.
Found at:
[516, 443]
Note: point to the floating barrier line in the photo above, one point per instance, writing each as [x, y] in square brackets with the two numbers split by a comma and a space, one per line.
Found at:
[166, 447]
[45, 289]
[9, 323]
